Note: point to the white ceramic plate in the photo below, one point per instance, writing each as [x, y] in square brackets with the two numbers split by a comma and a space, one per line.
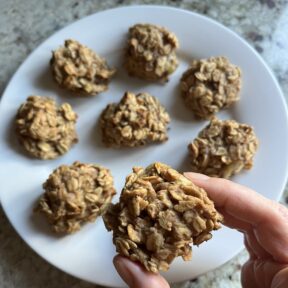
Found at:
[88, 254]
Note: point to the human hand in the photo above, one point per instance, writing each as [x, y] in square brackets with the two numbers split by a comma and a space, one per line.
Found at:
[263, 222]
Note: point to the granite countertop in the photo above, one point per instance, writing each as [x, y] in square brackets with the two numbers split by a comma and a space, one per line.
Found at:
[25, 24]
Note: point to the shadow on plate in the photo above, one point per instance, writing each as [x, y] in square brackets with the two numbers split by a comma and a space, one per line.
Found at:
[12, 141]
[184, 165]
[188, 57]
[95, 135]
[45, 81]
[178, 108]
[234, 112]
[40, 224]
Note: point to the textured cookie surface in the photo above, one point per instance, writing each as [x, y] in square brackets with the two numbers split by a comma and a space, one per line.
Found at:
[77, 68]
[160, 213]
[138, 119]
[44, 129]
[75, 195]
[210, 85]
[223, 148]
[150, 52]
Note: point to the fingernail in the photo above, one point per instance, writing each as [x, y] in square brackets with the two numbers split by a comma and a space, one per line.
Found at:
[121, 267]
[135, 276]
[195, 176]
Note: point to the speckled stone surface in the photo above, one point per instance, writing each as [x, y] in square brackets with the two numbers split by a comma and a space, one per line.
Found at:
[25, 24]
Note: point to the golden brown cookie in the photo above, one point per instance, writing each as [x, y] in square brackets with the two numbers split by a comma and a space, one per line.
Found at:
[75, 195]
[138, 119]
[223, 148]
[210, 85]
[150, 52]
[159, 214]
[77, 68]
[44, 129]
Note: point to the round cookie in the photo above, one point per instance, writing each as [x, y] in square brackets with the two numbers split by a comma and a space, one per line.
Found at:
[75, 195]
[45, 130]
[136, 120]
[150, 52]
[223, 148]
[210, 85]
[77, 68]
[159, 214]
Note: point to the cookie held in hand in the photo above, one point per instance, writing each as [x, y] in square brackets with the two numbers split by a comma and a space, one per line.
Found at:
[159, 214]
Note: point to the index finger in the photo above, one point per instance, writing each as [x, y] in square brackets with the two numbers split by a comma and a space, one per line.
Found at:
[268, 219]
[237, 200]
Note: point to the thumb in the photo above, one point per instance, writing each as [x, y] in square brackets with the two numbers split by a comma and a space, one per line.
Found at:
[135, 276]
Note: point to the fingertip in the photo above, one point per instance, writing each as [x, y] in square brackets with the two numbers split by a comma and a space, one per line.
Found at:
[196, 176]
[117, 259]
[121, 267]
[136, 276]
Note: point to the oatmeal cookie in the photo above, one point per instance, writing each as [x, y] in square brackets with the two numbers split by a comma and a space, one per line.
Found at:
[210, 85]
[44, 129]
[77, 68]
[150, 52]
[223, 148]
[75, 195]
[159, 214]
[138, 119]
